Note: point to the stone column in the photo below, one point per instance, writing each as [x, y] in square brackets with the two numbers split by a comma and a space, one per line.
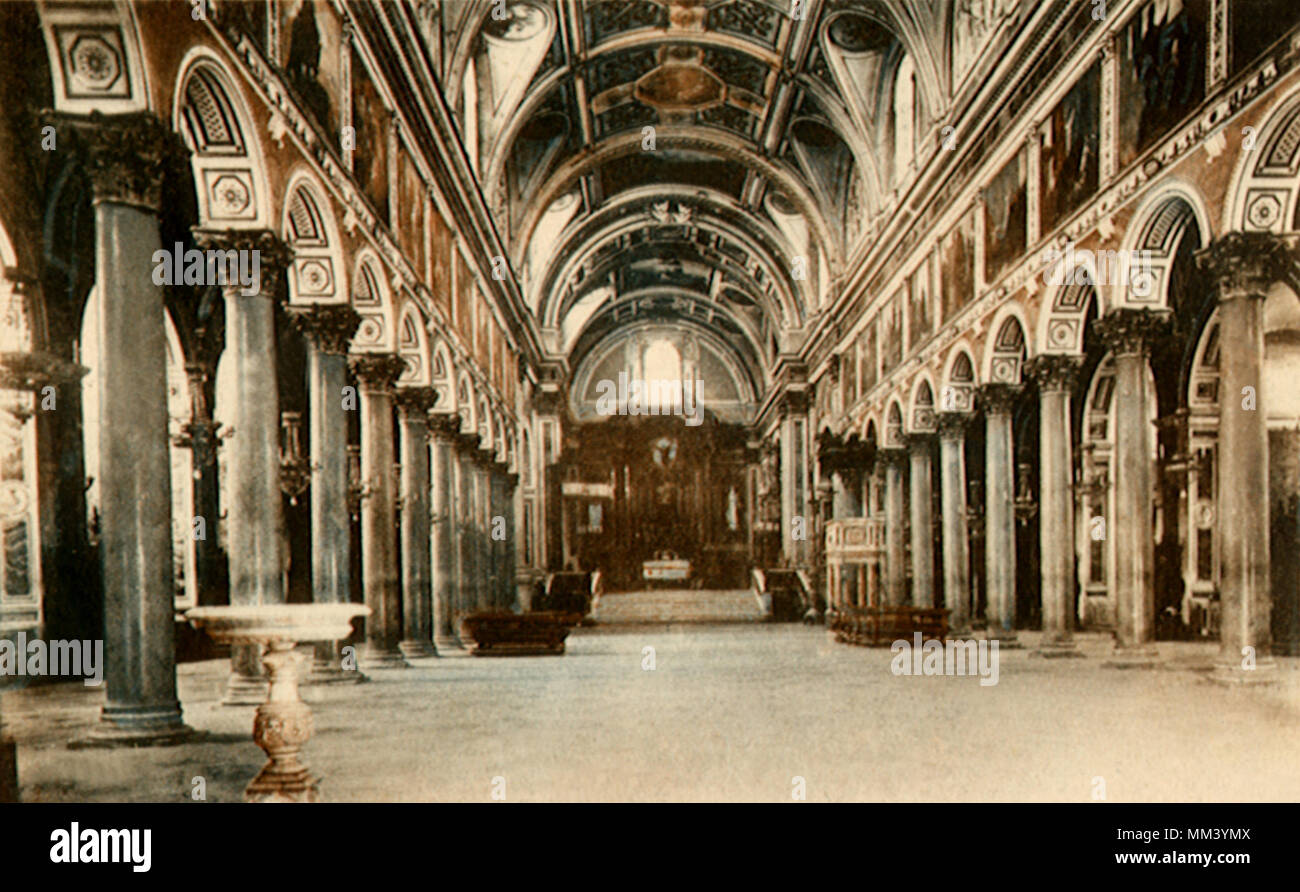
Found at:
[1055, 376]
[509, 549]
[919, 446]
[1242, 267]
[491, 553]
[376, 374]
[502, 597]
[1129, 333]
[444, 543]
[413, 404]
[199, 435]
[895, 547]
[328, 329]
[125, 158]
[486, 577]
[998, 401]
[952, 507]
[468, 569]
[254, 519]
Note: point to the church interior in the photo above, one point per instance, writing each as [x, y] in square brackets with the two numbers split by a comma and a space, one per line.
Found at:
[686, 352]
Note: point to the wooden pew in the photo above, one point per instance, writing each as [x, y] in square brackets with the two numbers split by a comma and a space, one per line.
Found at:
[498, 634]
[882, 626]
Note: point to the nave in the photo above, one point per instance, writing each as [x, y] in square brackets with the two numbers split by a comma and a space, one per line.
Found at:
[731, 712]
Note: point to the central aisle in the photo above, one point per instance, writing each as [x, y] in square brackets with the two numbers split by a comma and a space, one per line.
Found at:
[728, 712]
[678, 606]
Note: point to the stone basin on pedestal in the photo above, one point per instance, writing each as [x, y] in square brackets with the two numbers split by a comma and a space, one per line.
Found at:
[283, 723]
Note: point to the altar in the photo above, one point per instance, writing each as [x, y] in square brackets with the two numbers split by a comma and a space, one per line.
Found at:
[666, 567]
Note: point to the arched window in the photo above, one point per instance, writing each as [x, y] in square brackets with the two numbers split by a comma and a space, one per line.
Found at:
[905, 118]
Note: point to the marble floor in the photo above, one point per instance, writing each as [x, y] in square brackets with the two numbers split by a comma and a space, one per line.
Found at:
[729, 712]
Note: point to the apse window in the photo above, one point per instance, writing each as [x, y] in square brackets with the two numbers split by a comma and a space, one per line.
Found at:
[663, 376]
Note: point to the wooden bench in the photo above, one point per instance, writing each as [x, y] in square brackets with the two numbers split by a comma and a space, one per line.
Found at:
[882, 626]
[517, 634]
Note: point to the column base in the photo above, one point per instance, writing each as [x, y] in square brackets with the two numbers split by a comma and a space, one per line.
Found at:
[385, 657]
[245, 690]
[450, 646]
[1055, 650]
[1005, 638]
[327, 667]
[1231, 673]
[417, 649]
[1133, 656]
[328, 673]
[138, 726]
[248, 682]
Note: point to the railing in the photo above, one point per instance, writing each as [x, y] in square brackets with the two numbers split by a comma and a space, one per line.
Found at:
[854, 538]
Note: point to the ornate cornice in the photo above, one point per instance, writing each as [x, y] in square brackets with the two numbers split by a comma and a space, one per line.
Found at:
[127, 157]
[415, 401]
[998, 398]
[1128, 331]
[1246, 264]
[329, 326]
[377, 371]
[1054, 371]
[876, 275]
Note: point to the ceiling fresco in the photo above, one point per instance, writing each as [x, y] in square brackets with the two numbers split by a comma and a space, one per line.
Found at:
[723, 151]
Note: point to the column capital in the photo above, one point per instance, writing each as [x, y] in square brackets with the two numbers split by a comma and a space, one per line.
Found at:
[444, 426]
[918, 441]
[1246, 264]
[377, 371]
[415, 401]
[952, 425]
[892, 456]
[998, 398]
[1054, 371]
[127, 156]
[329, 326]
[273, 255]
[468, 443]
[36, 370]
[1129, 332]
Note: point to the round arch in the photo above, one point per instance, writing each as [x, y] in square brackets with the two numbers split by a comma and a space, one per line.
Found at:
[373, 301]
[309, 227]
[227, 157]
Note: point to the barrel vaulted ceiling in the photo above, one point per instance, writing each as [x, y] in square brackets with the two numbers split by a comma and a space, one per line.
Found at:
[707, 163]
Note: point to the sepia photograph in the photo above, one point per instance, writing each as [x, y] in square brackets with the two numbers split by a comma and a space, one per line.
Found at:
[556, 402]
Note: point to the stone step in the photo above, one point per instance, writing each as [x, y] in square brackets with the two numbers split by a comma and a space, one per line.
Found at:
[678, 605]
